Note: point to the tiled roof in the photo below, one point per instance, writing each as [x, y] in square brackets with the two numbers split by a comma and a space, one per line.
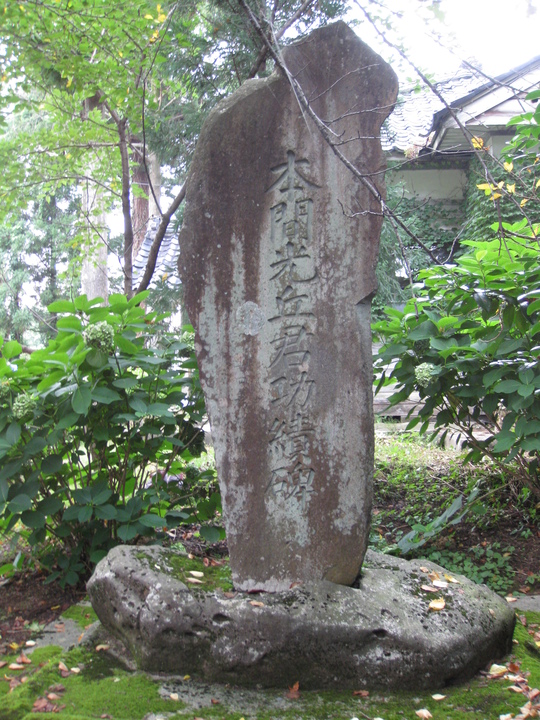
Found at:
[411, 122]
[166, 265]
[419, 112]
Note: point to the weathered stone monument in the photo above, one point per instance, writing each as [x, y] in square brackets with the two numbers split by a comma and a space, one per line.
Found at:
[279, 246]
[278, 252]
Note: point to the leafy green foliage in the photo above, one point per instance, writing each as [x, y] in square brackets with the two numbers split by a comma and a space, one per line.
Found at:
[96, 431]
[474, 325]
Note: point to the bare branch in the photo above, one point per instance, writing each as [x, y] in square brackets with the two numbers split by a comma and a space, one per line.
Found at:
[160, 234]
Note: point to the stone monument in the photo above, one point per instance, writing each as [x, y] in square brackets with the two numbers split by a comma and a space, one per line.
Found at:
[278, 252]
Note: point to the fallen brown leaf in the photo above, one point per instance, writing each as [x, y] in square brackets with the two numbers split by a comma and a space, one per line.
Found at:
[23, 659]
[3, 663]
[41, 705]
[451, 579]
[53, 696]
[429, 588]
[196, 573]
[441, 584]
[100, 648]
[361, 693]
[424, 714]
[59, 627]
[523, 620]
[497, 671]
[256, 603]
[424, 569]
[438, 604]
[230, 594]
[57, 688]
[214, 701]
[194, 581]
[62, 667]
[13, 683]
[438, 696]
[294, 691]
[16, 666]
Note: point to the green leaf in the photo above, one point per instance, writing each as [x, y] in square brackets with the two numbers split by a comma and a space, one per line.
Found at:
[105, 395]
[33, 519]
[138, 405]
[100, 495]
[96, 358]
[81, 400]
[152, 520]
[504, 441]
[126, 383]
[19, 504]
[51, 464]
[34, 447]
[127, 532]
[13, 433]
[11, 349]
[85, 514]
[50, 505]
[105, 512]
[126, 345]
[60, 306]
[211, 534]
[508, 386]
[71, 513]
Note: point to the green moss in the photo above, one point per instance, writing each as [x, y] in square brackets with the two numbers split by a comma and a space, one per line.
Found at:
[214, 576]
[102, 688]
[83, 615]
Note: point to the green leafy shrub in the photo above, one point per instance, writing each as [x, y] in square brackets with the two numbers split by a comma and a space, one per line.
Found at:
[469, 344]
[96, 432]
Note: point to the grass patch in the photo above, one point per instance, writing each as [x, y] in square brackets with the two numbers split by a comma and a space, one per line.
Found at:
[474, 520]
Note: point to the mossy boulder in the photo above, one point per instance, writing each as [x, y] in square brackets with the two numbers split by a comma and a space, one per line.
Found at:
[382, 634]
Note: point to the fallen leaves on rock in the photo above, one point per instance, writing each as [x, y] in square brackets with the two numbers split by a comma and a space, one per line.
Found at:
[256, 603]
[438, 604]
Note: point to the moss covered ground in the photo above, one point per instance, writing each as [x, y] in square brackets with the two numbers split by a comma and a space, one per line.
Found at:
[86, 683]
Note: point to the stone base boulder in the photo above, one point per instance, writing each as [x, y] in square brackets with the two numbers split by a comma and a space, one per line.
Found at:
[381, 634]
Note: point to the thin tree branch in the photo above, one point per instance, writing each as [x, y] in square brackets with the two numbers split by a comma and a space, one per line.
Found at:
[160, 234]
